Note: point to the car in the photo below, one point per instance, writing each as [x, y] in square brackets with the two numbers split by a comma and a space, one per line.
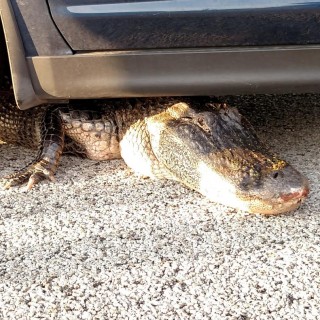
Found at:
[61, 50]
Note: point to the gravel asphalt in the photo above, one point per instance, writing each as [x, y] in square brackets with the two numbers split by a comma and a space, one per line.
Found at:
[101, 243]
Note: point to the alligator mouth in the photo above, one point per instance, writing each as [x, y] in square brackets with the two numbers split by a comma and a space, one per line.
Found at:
[298, 195]
[287, 202]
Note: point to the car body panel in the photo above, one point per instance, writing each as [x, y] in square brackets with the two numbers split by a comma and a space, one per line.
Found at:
[128, 25]
[177, 72]
[25, 95]
[38, 32]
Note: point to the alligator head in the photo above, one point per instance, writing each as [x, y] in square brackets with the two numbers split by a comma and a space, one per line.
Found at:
[211, 148]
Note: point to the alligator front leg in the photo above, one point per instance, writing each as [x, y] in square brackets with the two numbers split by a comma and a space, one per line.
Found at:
[49, 153]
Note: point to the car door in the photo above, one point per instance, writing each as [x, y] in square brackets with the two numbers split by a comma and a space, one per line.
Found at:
[95, 25]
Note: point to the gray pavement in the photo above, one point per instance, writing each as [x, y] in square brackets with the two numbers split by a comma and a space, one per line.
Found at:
[101, 243]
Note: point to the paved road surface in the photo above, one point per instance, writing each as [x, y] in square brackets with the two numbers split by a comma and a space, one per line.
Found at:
[103, 244]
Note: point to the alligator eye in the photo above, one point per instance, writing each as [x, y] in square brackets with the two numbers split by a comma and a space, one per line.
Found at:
[203, 125]
[201, 121]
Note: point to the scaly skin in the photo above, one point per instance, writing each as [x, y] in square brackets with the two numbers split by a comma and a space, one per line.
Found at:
[206, 146]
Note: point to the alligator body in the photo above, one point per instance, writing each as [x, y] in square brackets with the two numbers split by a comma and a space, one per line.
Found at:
[207, 146]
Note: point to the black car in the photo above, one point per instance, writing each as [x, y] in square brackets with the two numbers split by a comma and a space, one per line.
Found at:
[82, 49]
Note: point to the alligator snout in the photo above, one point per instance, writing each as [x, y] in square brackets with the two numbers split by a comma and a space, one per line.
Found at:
[292, 185]
[279, 191]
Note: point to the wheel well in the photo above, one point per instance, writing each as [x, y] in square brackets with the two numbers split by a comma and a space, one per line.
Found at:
[5, 74]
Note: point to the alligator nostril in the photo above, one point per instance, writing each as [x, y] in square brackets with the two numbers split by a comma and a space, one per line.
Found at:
[275, 175]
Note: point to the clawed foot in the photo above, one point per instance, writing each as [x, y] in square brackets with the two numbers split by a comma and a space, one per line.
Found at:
[32, 175]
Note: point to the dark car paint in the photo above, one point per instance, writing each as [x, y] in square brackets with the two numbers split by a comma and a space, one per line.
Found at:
[45, 68]
[126, 25]
[39, 34]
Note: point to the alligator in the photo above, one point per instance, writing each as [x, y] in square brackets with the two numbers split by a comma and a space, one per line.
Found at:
[205, 145]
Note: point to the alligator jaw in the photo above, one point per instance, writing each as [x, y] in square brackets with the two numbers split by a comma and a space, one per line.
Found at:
[280, 193]
[279, 205]
[268, 200]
